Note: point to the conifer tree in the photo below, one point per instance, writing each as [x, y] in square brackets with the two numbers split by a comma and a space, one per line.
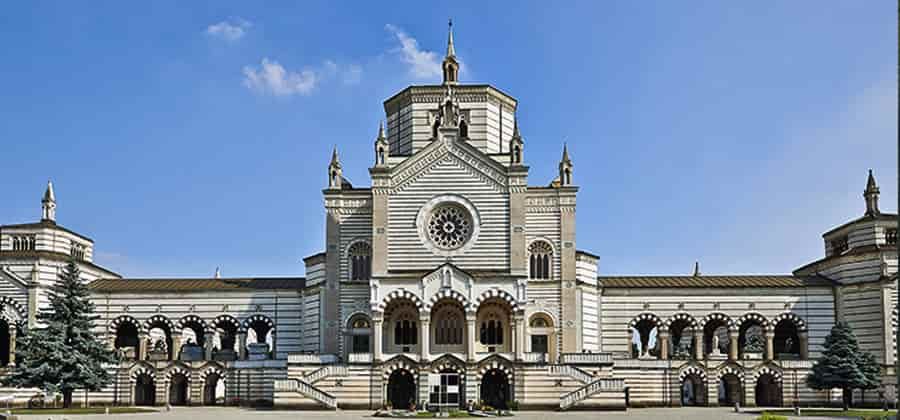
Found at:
[843, 365]
[63, 354]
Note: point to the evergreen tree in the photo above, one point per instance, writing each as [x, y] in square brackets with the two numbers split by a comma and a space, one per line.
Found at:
[64, 354]
[843, 365]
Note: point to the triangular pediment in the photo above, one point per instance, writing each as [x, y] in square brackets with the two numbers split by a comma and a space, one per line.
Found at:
[447, 282]
[449, 152]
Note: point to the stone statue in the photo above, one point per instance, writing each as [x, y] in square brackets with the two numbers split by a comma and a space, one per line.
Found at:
[788, 344]
[715, 344]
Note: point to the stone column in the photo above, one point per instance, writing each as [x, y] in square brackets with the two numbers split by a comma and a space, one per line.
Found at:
[176, 346]
[663, 337]
[424, 337]
[242, 345]
[804, 345]
[470, 337]
[520, 337]
[12, 345]
[698, 344]
[770, 344]
[376, 338]
[143, 345]
[733, 344]
[208, 344]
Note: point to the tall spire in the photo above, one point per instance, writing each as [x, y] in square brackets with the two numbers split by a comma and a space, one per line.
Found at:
[381, 146]
[871, 195]
[450, 65]
[565, 168]
[451, 52]
[516, 145]
[48, 204]
[335, 160]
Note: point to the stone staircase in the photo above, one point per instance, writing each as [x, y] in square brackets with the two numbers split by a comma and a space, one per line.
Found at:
[603, 392]
[572, 372]
[326, 372]
[288, 390]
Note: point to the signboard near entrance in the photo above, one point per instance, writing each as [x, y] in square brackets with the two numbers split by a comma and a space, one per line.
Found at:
[443, 389]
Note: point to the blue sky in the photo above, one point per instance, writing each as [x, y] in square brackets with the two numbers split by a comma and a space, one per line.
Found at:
[183, 136]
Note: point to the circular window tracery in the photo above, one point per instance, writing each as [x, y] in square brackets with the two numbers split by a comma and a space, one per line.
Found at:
[449, 226]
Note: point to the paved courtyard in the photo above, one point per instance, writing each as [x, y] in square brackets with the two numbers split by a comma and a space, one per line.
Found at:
[200, 413]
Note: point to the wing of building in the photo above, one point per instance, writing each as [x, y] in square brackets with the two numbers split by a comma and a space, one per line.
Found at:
[454, 278]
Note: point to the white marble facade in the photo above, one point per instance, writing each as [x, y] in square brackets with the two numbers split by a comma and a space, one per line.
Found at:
[452, 261]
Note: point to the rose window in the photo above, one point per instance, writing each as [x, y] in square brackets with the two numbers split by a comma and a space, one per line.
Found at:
[449, 227]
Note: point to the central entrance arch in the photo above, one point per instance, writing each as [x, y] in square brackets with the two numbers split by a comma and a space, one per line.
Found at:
[178, 390]
[401, 389]
[495, 389]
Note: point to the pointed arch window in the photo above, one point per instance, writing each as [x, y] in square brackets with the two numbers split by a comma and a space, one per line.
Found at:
[540, 258]
[360, 255]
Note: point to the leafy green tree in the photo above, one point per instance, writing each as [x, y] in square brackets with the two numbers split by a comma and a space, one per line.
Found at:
[843, 365]
[63, 354]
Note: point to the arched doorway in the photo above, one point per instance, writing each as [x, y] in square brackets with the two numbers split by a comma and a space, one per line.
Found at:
[768, 391]
[144, 390]
[693, 393]
[729, 389]
[178, 390]
[211, 388]
[401, 389]
[359, 329]
[495, 389]
[4, 342]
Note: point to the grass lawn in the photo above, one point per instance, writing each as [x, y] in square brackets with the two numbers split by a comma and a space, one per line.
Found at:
[866, 414]
[80, 410]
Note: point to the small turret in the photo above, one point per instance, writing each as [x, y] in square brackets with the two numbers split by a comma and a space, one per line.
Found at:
[450, 65]
[565, 168]
[335, 172]
[218, 274]
[516, 145]
[381, 147]
[48, 204]
[871, 195]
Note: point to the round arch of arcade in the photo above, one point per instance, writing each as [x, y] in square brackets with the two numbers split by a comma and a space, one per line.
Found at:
[646, 316]
[258, 318]
[499, 294]
[718, 316]
[229, 320]
[448, 366]
[448, 294]
[396, 365]
[18, 310]
[210, 371]
[730, 370]
[178, 369]
[680, 316]
[123, 320]
[399, 294]
[792, 317]
[774, 372]
[155, 320]
[187, 320]
[755, 317]
[494, 366]
[142, 368]
[692, 370]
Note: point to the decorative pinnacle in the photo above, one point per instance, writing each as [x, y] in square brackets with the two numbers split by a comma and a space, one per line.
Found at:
[565, 156]
[871, 186]
[516, 128]
[380, 129]
[335, 161]
[696, 268]
[451, 52]
[48, 194]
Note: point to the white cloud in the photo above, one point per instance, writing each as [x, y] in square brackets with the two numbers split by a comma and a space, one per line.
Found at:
[423, 64]
[272, 78]
[229, 31]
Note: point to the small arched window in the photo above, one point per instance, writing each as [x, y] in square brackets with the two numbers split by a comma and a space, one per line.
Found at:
[540, 257]
[405, 332]
[539, 322]
[360, 261]
[491, 332]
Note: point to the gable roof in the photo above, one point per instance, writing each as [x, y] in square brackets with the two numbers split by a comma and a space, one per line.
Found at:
[733, 281]
[45, 224]
[196, 284]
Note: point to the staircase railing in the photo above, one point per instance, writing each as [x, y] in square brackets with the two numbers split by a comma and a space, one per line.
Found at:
[307, 390]
[580, 394]
[572, 372]
[326, 371]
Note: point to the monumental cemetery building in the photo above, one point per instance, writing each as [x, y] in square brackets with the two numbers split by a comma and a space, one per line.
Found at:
[454, 277]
